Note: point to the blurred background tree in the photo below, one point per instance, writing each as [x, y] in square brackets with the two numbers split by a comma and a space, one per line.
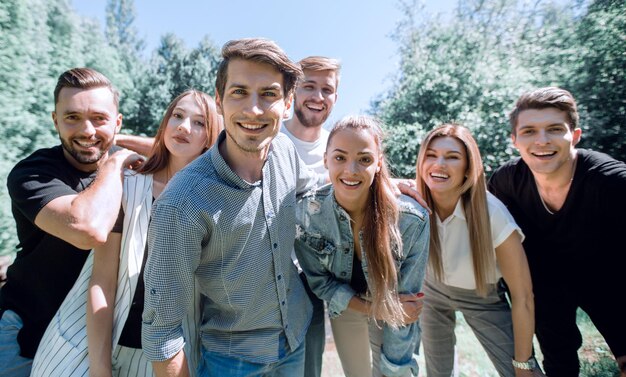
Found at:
[466, 67]
[40, 39]
[471, 67]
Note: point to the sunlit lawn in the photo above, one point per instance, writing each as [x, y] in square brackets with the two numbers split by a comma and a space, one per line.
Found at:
[596, 359]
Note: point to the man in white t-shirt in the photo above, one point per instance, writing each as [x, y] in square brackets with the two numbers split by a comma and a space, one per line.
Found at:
[314, 99]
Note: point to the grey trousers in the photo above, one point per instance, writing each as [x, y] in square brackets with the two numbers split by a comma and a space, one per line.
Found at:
[488, 317]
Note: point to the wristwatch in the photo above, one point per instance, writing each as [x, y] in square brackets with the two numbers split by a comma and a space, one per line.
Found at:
[530, 364]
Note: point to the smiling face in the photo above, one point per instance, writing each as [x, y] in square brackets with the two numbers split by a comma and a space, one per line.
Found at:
[253, 106]
[352, 158]
[545, 141]
[87, 121]
[445, 166]
[185, 134]
[315, 97]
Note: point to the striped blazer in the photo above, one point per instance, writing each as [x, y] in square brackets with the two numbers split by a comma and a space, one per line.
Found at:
[63, 348]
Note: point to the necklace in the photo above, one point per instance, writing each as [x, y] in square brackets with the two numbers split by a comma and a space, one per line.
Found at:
[544, 203]
[545, 206]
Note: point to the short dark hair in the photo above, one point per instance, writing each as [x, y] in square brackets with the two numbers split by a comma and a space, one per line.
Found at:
[84, 78]
[544, 98]
[258, 50]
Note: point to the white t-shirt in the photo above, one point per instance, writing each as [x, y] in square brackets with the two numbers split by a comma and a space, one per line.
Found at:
[312, 153]
[455, 243]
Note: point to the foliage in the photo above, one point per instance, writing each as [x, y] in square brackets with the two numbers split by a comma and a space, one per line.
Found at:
[40, 39]
[123, 37]
[471, 68]
[599, 81]
[172, 69]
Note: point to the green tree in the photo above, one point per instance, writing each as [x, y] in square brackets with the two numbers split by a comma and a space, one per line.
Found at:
[172, 69]
[38, 41]
[22, 73]
[599, 81]
[462, 71]
[122, 36]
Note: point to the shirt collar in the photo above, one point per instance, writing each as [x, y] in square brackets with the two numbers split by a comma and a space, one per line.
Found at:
[458, 212]
[224, 171]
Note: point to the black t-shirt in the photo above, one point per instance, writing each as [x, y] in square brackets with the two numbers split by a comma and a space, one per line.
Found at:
[580, 245]
[358, 282]
[45, 267]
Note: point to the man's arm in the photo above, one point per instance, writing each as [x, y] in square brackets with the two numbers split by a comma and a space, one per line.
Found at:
[140, 144]
[85, 219]
[174, 247]
[174, 367]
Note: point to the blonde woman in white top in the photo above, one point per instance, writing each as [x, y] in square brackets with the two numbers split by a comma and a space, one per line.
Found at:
[474, 242]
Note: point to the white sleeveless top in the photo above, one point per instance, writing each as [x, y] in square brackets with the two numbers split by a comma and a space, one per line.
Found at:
[63, 348]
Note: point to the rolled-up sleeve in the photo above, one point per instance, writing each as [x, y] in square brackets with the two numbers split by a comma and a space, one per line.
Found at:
[399, 344]
[315, 262]
[174, 246]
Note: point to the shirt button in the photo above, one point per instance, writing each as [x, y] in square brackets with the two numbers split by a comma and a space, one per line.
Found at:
[153, 291]
[346, 250]
[342, 218]
[343, 273]
[275, 245]
[279, 277]
[283, 303]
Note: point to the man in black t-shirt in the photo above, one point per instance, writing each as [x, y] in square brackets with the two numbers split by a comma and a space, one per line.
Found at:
[570, 203]
[62, 208]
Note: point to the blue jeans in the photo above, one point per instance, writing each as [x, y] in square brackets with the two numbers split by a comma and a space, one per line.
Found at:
[11, 363]
[217, 365]
[315, 335]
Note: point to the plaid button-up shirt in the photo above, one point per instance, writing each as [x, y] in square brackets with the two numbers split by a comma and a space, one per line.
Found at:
[233, 239]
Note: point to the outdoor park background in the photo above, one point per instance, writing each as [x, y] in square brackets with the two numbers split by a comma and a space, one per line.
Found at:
[414, 64]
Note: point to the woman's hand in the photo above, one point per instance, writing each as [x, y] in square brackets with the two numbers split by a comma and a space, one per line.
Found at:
[407, 187]
[412, 305]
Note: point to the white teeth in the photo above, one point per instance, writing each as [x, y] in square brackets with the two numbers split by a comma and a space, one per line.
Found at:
[315, 107]
[541, 154]
[350, 183]
[86, 144]
[439, 175]
[251, 126]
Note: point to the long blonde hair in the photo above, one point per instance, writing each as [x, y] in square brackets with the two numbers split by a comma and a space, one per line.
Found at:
[381, 236]
[474, 198]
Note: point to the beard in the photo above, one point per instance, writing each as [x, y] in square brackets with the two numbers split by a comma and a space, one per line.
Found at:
[252, 148]
[309, 122]
[83, 157]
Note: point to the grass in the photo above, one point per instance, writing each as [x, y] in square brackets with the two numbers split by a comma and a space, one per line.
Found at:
[595, 356]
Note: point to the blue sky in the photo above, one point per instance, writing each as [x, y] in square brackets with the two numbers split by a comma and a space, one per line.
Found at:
[356, 32]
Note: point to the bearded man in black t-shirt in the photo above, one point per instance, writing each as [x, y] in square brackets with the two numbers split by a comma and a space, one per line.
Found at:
[65, 201]
[571, 205]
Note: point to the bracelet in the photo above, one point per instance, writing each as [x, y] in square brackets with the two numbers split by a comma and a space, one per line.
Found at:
[530, 364]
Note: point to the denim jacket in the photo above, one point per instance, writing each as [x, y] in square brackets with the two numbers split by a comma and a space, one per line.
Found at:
[325, 249]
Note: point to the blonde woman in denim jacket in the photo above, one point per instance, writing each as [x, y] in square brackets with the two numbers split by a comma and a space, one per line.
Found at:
[364, 251]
